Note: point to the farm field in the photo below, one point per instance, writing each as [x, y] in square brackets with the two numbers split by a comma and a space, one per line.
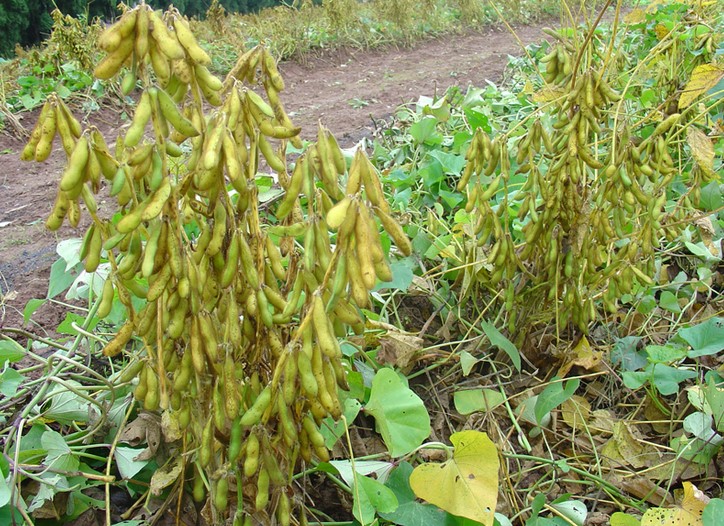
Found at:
[445, 263]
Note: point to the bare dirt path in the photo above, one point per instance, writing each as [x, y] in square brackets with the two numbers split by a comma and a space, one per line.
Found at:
[345, 89]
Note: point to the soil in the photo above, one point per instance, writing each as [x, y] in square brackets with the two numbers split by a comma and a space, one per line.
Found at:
[348, 90]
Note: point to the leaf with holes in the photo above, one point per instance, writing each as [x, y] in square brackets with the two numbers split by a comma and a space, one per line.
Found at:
[467, 484]
[371, 496]
[688, 513]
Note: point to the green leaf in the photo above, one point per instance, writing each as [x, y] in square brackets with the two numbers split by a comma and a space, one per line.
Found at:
[624, 519]
[66, 326]
[574, 510]
[431, 174]
[59, 456]
[11, 351]
[553, 396]
[400, 415]
[634, 379]
[668, 301]
[331, 430]
[451, 164]
[667, 378]
[69, 251]
[474, 400]
[624, 353]
[467, 484]
[700, 425]
[711, 197]
[4, 491]
[423, 131]
[665, 353]
[467, 362]
[402, 276]
[715, 400]
[362, 467]
[713, 513]
[502, 343]
[371, 496]
[51, 484]
[451, 199]
[705, 339]
[30, 307]
[701, 251]
[126, 461]
[502, 520]
[409, 511]
[60, 278]
[10, 380]
[66, 407]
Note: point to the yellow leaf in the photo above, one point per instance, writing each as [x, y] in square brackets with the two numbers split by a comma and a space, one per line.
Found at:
[703, 78]
[625, 446]
[467, 484]
[576, 412]
[635, 16]
[688, 513]
[548, 94]
[694, 499]
[702, 149]
[584, 356]
[166, 475]
[661, 31]
[602, 421]
[653, 6]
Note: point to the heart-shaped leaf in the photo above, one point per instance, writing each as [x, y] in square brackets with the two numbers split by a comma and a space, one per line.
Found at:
[400, 414]
[467, 484]
[706, 338]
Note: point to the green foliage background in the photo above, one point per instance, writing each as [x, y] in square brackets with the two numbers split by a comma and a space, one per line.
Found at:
[27, 22]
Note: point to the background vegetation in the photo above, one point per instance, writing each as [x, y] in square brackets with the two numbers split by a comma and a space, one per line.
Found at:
[27, 22]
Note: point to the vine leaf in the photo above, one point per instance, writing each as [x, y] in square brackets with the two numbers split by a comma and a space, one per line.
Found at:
[703, 78]
[713, 512]
[372, 496]
[467, 484]
[399, 413]
[705, 339]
